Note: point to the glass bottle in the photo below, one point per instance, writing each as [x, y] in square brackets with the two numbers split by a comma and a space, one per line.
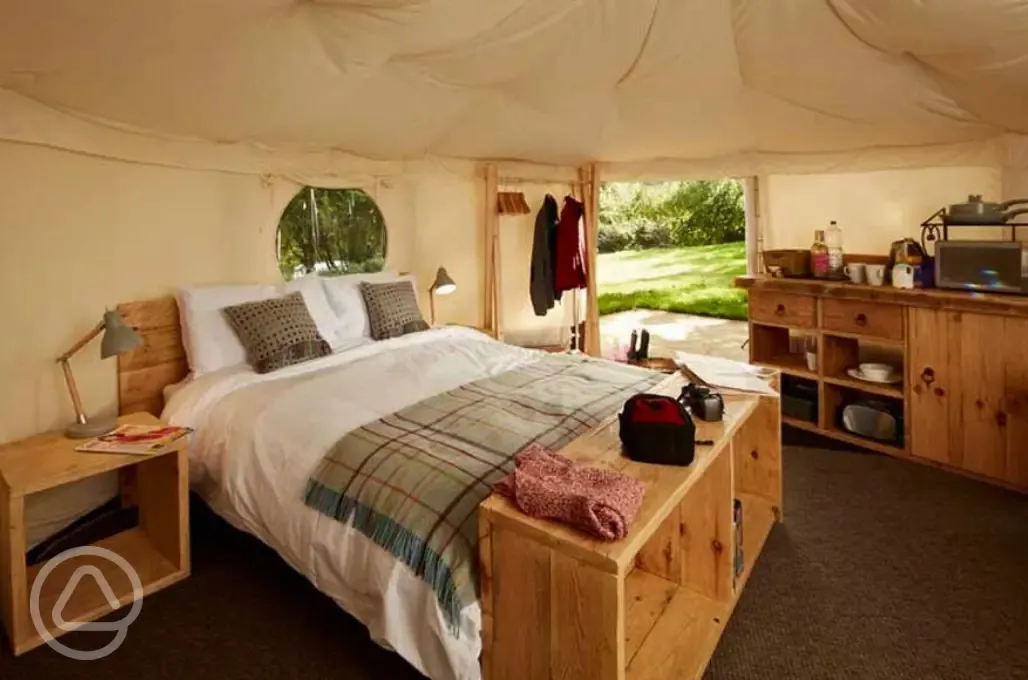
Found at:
[819, 255]
[833, 239]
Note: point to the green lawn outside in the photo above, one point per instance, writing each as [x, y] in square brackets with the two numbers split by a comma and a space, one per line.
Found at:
[695, 280]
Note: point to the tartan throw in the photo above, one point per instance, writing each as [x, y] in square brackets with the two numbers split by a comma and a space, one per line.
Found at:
[413, 480]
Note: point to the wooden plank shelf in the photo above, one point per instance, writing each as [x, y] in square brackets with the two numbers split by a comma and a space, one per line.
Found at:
[790, 365]
[840, 435]
[881, 389]
[682, 639]
[868, 339]
[856, 440]
[88, 601]
[801, 424]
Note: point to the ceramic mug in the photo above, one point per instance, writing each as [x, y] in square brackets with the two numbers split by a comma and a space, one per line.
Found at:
[875, 274]
[855, 270]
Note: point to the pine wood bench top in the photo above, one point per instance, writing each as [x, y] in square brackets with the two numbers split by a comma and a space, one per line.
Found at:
[665, 485]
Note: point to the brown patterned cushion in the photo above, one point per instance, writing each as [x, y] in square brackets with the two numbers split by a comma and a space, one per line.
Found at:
[391, 307]
[276, 333]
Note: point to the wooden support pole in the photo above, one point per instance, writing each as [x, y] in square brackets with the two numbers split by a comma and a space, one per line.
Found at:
[589, 178]
[489, 287]
[751, 203]
[494, 226]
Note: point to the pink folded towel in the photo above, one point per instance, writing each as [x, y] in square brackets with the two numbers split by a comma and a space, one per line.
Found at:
[599, 502]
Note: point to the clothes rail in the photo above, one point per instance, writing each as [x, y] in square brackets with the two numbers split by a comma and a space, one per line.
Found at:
[538, 180]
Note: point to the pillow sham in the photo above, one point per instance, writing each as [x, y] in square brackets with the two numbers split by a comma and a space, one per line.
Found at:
[316, 299]
[392, 307]
[346, 300]
[277, 333]
[209, 341]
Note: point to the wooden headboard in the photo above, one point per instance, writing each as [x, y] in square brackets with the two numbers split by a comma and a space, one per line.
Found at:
[158, 362]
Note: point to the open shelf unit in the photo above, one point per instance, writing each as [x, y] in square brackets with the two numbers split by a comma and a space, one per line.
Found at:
[783, 347]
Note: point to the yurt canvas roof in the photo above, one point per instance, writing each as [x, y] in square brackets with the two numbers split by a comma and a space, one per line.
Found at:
[279, 85]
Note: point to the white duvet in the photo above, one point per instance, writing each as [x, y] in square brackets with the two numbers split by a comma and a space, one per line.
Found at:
[258, 437]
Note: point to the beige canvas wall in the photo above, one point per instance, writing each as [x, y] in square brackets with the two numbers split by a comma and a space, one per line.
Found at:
[873, 208]
[81, 234]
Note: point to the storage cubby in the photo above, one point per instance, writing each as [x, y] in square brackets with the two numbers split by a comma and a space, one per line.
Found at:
[783, 348]
[800, 400]
[837, 396]
[841, 353]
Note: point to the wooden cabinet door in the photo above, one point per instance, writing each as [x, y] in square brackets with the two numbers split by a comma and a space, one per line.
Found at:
[968, 377]
[1015, 401]
[982, 421]
[933, 339]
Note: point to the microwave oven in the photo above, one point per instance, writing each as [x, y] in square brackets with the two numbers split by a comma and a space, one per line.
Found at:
[986, 266]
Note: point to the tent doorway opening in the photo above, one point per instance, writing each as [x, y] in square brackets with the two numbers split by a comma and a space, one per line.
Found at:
[668, 254]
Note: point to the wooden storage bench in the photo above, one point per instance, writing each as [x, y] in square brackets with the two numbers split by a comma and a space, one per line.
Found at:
[559, 605]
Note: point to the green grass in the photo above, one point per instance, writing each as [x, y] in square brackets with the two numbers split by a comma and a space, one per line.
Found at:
[694, 280]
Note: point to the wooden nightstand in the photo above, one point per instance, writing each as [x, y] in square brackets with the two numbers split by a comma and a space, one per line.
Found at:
[158, 548]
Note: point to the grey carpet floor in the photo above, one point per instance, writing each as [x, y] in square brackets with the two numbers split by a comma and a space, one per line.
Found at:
[883, 570]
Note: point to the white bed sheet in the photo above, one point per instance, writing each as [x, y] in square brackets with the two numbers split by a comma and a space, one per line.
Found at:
[258, 437]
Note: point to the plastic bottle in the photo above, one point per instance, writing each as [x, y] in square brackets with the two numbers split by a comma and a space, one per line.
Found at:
[833, 239]
[819, 255]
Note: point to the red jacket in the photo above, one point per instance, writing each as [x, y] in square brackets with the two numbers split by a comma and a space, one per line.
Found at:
[568, 256]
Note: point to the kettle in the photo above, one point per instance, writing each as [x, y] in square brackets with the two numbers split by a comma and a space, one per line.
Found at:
[905, 251]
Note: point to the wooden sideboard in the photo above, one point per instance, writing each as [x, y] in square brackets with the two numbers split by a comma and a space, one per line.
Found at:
[964, 360]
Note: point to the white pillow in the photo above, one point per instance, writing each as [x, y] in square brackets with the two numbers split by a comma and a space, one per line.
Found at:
[345, 297]
[315, 298]
[210, 342]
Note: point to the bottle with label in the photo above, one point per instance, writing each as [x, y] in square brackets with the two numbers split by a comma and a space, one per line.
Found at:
[833, 239]
[819, 255]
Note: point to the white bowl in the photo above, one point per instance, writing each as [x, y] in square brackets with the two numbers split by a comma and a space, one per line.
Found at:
[876, 371]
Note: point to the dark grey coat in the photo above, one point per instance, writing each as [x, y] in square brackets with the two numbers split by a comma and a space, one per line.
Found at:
[541, 281]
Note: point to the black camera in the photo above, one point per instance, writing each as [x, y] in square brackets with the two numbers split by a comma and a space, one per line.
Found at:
[703, 402]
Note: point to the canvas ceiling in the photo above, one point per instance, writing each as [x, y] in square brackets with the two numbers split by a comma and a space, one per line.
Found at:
[308, 87]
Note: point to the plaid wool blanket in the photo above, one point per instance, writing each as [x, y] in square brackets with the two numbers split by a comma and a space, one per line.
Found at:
[412, 481]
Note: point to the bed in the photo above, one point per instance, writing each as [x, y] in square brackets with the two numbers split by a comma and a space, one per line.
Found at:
[259, 436]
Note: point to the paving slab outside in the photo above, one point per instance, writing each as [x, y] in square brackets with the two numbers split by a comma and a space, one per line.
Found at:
[670, 331]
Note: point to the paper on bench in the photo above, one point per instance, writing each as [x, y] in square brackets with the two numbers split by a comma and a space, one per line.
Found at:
[726, 374]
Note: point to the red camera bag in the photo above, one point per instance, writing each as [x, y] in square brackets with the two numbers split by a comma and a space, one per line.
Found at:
[657, 429]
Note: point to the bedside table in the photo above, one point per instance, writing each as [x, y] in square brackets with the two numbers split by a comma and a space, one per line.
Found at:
[157, 549]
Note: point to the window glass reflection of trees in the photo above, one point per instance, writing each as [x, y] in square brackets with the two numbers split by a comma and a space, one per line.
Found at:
[331, 232]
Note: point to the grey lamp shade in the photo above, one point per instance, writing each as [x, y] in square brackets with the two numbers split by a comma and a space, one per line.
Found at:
[118, 338]
[443, 284]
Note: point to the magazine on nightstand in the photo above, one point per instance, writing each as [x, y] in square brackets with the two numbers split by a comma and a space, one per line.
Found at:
[136, 440]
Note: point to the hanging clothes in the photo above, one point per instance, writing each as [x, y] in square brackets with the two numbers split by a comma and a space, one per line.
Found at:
[569, 256]
[541, 279]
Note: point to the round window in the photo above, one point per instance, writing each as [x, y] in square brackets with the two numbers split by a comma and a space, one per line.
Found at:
[331, 232]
